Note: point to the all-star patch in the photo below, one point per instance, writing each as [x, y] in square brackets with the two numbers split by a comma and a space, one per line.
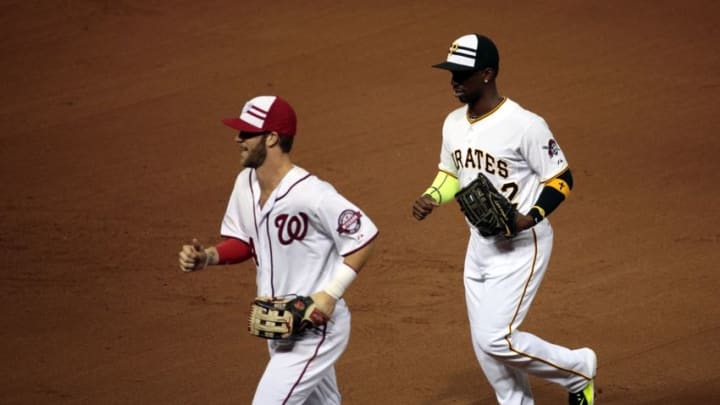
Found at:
[349, 222]
[552, 148]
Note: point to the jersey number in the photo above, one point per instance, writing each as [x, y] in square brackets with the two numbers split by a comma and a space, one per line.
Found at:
[513, 190]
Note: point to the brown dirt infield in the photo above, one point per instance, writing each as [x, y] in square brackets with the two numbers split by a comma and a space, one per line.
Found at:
[112, 155]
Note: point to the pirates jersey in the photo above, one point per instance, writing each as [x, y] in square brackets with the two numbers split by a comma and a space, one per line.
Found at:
[510, 145]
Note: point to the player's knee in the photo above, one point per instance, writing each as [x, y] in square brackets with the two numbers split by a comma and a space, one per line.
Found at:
[493, 343]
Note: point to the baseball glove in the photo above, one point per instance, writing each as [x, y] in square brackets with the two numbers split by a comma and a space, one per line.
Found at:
[284, 317]
[488, 210]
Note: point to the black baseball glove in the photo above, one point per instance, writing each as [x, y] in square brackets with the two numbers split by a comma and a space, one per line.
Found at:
[284, 317]
[488, 210]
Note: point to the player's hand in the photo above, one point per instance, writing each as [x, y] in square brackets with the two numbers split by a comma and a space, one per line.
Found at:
[523, 222]
[423, 207]
[193, 257]
[324, 302]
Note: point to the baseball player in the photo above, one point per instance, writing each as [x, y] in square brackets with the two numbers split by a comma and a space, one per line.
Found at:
[515, 149]
[305, 239]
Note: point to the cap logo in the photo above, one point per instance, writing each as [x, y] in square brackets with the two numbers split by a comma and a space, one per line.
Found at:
[453, 48]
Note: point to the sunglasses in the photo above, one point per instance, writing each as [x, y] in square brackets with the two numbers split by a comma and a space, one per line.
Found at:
[249, 135]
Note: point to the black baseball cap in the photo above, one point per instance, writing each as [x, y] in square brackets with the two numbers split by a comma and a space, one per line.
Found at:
[471, 52]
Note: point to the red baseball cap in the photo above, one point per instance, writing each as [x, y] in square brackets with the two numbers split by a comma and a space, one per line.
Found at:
[265, 113]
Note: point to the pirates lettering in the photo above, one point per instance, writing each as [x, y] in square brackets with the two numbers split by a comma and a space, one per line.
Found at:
[477, 159]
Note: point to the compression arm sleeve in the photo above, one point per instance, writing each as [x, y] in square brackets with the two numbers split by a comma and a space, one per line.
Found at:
[443, 188]
[232, 250]
[556, 190]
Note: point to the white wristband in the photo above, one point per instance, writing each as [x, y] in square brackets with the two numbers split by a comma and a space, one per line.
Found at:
[344, 276]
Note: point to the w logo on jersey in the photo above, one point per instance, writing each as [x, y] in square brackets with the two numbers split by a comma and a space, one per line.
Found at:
[291, 228]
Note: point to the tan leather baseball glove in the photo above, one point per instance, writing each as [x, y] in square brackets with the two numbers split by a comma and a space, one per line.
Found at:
[284, 317]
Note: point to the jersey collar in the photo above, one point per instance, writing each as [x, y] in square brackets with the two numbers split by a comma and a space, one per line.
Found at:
[473, 120]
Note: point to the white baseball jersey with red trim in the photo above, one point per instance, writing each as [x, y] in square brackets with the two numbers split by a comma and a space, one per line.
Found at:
[299, 237]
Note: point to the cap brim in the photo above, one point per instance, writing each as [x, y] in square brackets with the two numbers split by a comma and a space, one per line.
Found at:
[240, 125]
[454, 67]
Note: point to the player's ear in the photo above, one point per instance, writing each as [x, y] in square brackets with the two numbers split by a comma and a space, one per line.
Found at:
[489, 74]
[272, 139]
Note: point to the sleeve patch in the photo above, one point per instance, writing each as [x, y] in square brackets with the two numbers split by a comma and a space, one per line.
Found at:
[349, 222]
[552, 148]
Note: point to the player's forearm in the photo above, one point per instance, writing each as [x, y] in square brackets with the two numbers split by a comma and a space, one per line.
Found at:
[347, 271]
[556, 190]
[229, 251]
[443, 188]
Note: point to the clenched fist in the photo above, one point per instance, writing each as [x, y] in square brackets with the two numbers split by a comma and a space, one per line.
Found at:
[423, 206]
[193, 257]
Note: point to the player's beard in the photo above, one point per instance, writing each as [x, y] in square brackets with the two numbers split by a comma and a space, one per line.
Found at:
[256, 156]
